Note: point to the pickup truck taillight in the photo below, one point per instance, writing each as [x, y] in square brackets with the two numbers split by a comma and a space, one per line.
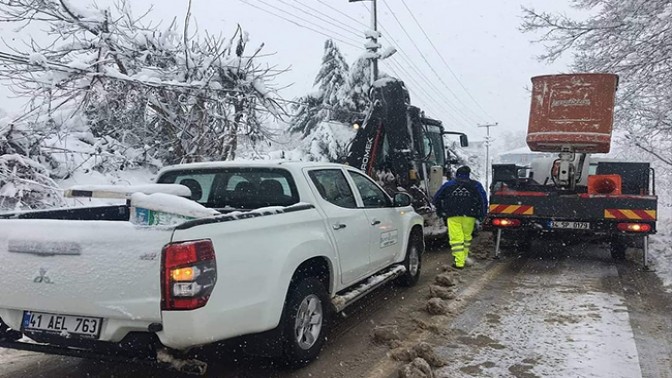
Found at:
[188, 274]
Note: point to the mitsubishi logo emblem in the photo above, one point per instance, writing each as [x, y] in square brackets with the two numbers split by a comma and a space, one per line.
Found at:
[42, 277]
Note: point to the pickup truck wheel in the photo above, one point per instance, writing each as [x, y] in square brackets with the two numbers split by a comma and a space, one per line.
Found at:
[306, 319]
[412, 262]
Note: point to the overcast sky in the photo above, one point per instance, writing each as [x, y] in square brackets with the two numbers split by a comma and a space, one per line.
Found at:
[481, 49]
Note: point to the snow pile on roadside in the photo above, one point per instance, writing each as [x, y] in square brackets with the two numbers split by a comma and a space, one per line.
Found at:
[660, 248]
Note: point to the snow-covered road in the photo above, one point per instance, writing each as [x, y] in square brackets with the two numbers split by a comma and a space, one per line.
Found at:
[563, 317]
[561, 312]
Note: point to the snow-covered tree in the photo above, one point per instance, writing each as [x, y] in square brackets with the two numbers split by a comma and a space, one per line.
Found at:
[355, 94]
[24, 181]
[325, 104]
[332, 75]
[329, 142]
[308, 113]
[628, 38]
[168, 92]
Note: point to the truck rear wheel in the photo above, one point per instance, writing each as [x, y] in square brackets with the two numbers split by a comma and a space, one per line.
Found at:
[305, 321]
[617, 248]
[413, 261]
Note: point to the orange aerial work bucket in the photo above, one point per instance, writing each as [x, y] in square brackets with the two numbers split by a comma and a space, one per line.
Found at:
[572, 110]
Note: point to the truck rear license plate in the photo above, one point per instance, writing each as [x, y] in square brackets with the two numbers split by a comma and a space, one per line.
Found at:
[571, 225]
[63, 325]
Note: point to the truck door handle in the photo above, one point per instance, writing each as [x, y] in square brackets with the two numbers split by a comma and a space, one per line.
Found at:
[338, 226]
[375, 222]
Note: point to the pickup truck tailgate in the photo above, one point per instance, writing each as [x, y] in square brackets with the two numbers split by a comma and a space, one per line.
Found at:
[106, 269]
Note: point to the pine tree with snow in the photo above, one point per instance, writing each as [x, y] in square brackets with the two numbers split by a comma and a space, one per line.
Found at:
[355, 94]
[325, 103]
[308, 113]
[332, 75]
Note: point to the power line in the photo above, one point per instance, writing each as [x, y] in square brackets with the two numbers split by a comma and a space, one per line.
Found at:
[427, 101]
[299, 25]
[423, 56]
[340, 26]
[429, 83]
[307, 21]
[443, 60]
[419, 90]
[401, 25]
[328, 16]
[343, 13]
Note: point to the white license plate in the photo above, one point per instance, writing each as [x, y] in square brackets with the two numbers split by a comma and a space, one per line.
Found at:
[63, 325]
[571, 225]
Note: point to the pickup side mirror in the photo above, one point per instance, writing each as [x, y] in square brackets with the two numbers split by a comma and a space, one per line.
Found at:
[402, 200]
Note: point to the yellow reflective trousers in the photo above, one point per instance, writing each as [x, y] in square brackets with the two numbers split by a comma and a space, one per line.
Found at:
[459, 235]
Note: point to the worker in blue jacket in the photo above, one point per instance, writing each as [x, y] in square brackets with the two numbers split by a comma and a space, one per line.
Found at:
[462, 201]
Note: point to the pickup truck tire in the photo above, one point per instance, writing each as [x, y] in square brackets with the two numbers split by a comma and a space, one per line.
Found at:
[412, 262]
[306, 319]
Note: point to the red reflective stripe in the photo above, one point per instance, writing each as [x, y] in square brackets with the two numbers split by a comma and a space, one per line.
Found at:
[499, 208]
[643, 214]
[622, 214]
[521, 209]
[618, 214]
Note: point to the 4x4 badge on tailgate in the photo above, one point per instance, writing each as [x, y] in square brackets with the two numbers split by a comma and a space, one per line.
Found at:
[42, 277]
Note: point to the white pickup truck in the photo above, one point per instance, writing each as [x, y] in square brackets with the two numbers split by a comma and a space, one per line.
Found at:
[282, 246]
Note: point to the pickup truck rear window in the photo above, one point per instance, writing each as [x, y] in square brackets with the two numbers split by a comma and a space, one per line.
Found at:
[236, 188]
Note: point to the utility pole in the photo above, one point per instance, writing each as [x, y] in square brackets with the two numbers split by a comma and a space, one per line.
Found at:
[374, 40]
[372, 46]
[487, 152]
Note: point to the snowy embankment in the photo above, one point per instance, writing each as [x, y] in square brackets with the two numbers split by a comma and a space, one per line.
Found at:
[661, 246]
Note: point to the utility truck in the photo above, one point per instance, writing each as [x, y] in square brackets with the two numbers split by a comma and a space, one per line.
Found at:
[574, 196]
